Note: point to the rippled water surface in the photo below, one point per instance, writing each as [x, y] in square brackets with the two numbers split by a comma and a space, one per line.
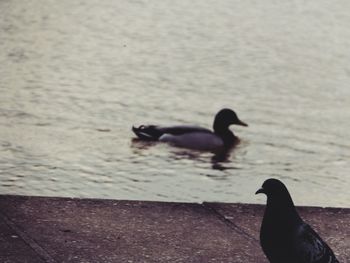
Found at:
[76, 75]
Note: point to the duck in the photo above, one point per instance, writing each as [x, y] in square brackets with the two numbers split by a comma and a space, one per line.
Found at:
[195, 137]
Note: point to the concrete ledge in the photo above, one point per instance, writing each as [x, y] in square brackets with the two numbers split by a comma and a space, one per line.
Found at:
[46, 229]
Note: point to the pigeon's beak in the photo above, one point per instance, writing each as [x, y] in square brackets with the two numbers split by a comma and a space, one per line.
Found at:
[260, 191]
[241, 123]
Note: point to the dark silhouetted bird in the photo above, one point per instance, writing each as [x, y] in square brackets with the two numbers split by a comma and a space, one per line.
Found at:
[195, 137]
[284, 236]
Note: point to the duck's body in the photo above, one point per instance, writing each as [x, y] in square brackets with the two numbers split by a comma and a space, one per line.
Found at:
[195, 137]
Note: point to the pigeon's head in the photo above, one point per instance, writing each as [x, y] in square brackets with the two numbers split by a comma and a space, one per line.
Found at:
[279, 202]
[274, 188]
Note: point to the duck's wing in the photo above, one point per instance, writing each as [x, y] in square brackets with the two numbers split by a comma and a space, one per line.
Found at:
[311, 248]
[183, 129]
[153, 132]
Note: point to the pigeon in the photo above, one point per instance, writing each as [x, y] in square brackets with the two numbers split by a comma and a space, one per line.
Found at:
[284, 236]
[194, 137]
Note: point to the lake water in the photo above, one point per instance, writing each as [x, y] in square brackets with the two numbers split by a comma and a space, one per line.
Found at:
[76, 75]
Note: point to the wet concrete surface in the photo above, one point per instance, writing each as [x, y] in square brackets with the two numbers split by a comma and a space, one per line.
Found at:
[47, 229]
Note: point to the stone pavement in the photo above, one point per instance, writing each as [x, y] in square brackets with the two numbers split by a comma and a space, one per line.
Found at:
[46, 229]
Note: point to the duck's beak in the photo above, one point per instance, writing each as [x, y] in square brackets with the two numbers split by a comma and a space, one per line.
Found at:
[260, 191]
[241, 123]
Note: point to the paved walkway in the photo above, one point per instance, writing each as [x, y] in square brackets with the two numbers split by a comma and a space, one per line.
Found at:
[41, 229]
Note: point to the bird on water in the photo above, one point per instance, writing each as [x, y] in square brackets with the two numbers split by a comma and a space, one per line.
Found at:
[284, 236]
[195, 137]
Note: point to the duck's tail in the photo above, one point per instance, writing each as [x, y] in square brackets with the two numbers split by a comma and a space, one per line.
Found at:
[147, 132]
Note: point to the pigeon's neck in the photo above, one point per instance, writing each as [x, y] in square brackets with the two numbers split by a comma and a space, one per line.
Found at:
[283, 210]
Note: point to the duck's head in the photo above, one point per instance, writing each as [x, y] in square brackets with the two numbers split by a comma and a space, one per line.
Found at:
[226, 117]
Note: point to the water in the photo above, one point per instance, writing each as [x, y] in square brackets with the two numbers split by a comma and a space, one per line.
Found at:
[76, 76]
